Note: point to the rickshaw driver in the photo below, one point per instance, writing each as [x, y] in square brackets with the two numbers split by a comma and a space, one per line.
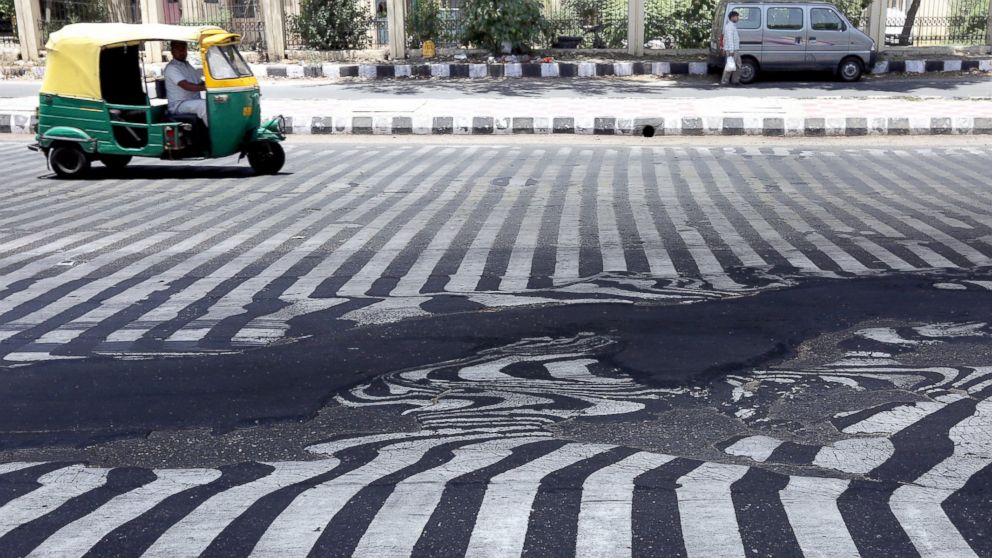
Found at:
[183, 84]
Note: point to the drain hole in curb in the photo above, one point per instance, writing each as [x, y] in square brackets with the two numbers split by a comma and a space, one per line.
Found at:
[648, 131]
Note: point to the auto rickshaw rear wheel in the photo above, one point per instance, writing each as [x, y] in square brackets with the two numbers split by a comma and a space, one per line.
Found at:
[68, 161]
[115, 162]
[266, 157]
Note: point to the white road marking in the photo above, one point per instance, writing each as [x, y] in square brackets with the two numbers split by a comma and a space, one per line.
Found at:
[605, 514]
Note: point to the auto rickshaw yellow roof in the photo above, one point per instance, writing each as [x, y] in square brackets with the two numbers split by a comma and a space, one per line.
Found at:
[72, 66]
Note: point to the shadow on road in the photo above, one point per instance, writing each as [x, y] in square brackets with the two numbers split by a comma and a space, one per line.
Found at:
[164, 171]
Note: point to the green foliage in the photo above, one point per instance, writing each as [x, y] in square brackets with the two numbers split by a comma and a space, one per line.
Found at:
[490, 23]
[335, 25]
[7, 10]
[692, 23]
[424, 23]
[82, 11]
[853, 9]
[969, 20]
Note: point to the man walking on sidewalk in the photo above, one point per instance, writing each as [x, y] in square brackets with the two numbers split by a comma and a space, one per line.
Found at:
[732, 47]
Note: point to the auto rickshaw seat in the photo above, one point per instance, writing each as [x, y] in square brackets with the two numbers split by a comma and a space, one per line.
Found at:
[184, 118]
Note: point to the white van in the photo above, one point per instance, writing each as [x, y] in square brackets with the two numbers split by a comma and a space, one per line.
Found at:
[777, 35]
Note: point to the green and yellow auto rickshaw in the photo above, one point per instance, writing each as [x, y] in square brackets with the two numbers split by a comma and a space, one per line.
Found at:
[95, 105]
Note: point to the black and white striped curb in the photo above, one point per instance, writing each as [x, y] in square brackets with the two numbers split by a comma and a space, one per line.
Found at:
[567, 69]
[20, 123]
[529, 70]
[638, 126]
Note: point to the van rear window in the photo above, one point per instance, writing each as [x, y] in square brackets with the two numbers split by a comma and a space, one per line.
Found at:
[785, 18]
[750, 17]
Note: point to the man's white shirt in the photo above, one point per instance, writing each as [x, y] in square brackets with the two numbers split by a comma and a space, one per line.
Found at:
[175, 72]
[731, 38]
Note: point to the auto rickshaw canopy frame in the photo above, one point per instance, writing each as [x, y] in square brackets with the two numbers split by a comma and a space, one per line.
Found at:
[72, 68]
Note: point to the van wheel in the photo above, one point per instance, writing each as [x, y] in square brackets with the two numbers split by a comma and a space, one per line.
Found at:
[68, 161]
[749, 71]
[115, 162]
[851, 69]
[266, 157]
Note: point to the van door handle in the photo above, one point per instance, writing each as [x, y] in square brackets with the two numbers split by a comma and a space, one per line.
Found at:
[220, 99]
[799, 40]
[812, 39]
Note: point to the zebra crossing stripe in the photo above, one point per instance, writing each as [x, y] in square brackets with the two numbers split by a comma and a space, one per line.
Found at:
[15, 466]
[472, 266]
[87, 531]
[718, 215]
[819, 528]
[706, 509]
[224, 248]
[918, 505]
[709, 265]
[501, 523]
[296, 530]
[435, 239]
[605, 517]
[194, 532]
[846, 258]
[400, 522]
[362, 281]
[674, 213]
[57, 487]
[283, 225]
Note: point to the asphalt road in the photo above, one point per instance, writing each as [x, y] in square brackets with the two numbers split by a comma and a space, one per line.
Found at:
[451, 349]
[789, 86]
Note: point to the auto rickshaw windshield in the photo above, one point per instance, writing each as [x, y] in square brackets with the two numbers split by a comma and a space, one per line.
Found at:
[226, 62]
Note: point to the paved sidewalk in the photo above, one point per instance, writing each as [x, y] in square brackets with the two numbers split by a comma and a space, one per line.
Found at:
[731, 115]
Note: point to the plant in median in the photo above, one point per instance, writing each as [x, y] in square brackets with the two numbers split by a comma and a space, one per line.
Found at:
[335, 25]
[491, 23]
[424, 23]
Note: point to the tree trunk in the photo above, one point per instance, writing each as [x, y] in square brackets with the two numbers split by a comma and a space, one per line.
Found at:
[907, 28]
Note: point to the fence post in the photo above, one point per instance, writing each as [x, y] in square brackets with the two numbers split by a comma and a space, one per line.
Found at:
[876, 23]
[274, 19]
[988, 26]
[151, 13]
[396, 21]
[28, 13]
[635, 27]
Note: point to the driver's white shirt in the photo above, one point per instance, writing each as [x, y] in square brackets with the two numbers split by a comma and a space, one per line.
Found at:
[176, 71]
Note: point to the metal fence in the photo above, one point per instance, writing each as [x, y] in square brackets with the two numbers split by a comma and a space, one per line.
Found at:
[8, 35]
[587, 23]
[936, 22]
[436, 20]
[55, 14]
[243, 17]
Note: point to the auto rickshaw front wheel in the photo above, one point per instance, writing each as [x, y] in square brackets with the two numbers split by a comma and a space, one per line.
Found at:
[266, 157]
[115, 162]
[68, 161]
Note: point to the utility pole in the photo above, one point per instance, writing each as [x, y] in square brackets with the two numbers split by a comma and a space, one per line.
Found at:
[28, 13]
[635, 27]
